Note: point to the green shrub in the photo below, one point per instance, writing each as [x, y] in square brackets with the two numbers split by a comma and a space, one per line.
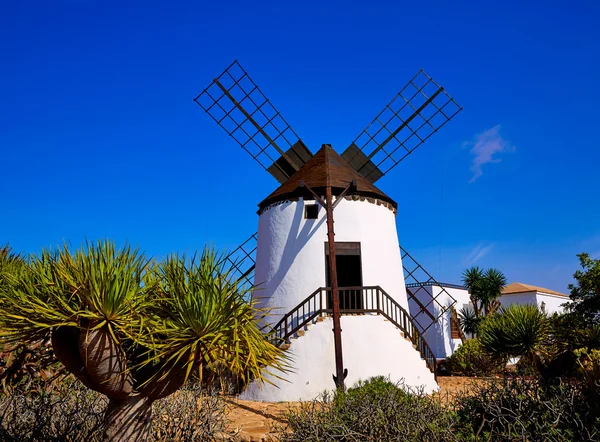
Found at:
[508, 409]
[527, 409]
[378, 386]
[375, 410]
[470, 359]
[588, 371]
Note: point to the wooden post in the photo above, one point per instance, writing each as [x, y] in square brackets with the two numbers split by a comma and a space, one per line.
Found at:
[329, 205]
[337, 328]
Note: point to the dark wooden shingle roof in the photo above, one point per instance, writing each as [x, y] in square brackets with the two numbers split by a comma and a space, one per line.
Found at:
[326, 167]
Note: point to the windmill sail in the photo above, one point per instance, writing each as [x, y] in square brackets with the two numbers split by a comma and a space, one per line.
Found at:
[419, 110]
[236, 103]
[242, 260]
[429, 308]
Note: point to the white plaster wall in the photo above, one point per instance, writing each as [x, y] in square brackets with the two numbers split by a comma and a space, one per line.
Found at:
[290, 255]
[424, 294]
[439, 335]
[371, 346]
[552, 302]
[448, 345]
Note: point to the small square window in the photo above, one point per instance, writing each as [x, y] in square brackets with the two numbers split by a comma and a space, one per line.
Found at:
[311, 211]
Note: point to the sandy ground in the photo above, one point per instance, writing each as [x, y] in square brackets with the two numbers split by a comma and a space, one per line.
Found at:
[257, 421]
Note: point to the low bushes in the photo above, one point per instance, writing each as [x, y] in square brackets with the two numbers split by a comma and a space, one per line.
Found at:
[70, 413]
[509, 409]
[375, 410]
[470, 359]
[528, 409]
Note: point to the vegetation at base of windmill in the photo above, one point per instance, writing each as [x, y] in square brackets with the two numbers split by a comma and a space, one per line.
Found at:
[525, 408]
[505, 409]
[585, 293]
[68, 412]
[190, 415]
[471, 359]
[377, 410]
[72, 412]
[128, 334]
[520, 330]
[485, 287]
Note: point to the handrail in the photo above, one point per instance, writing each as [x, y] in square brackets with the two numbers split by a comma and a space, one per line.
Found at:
[353, 300]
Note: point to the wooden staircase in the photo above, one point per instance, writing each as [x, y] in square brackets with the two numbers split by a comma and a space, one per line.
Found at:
[354, 301]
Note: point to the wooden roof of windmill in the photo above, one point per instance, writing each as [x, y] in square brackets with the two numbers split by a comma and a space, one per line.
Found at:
[325, 168]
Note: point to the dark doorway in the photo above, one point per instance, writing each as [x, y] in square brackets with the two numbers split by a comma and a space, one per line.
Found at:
[349, 274]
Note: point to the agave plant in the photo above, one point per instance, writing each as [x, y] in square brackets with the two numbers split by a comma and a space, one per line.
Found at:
[516, 331]
[132, 329]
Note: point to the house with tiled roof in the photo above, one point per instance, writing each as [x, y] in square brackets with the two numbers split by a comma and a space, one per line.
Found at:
[550, 301]
[444, 336]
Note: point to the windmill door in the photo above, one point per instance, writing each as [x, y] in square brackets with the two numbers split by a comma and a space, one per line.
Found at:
[349, 275]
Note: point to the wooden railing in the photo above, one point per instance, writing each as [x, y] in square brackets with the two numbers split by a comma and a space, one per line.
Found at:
[353, 301]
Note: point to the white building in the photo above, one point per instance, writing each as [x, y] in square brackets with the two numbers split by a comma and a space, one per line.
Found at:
[292, 276]
[429, 305]
[548, 300]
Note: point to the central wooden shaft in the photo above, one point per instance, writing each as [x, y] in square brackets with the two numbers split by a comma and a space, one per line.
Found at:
[337, 329]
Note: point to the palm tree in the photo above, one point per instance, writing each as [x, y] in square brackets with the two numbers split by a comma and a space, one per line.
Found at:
[134, 330]
[485, 287]
[472, 280]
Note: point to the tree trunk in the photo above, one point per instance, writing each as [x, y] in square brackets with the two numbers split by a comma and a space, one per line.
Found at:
[128, 420]
[105, 362]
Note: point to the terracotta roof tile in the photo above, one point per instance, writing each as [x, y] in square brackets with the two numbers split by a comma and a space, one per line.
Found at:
[517, 287]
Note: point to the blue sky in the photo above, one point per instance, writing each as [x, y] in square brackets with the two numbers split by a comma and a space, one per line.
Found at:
[100, 137]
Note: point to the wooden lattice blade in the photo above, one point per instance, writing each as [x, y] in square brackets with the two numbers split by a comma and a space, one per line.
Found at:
[237, 104]
[419, 110]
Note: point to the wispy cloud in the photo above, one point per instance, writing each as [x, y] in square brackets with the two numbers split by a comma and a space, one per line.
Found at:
[478, 252]
[485, 148]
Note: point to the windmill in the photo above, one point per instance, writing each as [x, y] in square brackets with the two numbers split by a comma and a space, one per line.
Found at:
[296, 254]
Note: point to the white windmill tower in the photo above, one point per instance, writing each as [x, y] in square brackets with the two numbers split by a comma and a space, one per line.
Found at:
[318, 279]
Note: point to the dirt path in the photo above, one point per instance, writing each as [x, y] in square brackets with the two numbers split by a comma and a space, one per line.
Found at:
[255, 421]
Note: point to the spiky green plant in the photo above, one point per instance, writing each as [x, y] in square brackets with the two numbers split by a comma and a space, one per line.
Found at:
[516, 331]
[469, 321]
[209, 313]
[133, 329]
[23, 364]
